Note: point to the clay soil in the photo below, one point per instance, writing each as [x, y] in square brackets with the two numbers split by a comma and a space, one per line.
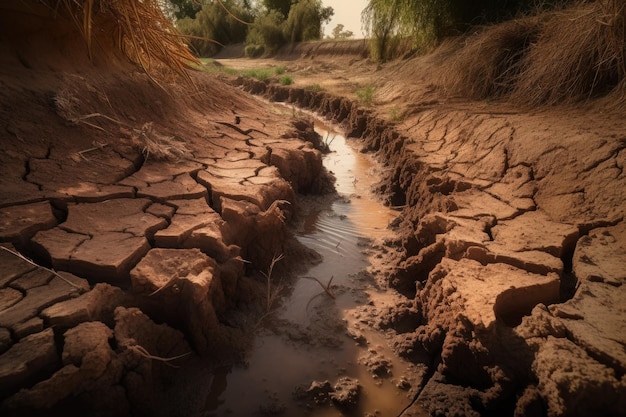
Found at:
[508, 254]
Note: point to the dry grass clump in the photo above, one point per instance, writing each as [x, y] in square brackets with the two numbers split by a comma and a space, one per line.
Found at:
[139, 30]
[580, 54]
[158, 146]
[487, 65]
[561, 57]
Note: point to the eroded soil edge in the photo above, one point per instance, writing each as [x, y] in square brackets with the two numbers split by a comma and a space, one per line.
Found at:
[511, 249]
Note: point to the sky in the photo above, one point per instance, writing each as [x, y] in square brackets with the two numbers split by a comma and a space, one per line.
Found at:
[348, 13]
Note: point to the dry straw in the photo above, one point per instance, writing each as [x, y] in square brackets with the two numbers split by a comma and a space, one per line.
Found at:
[579, 55]
[139, 29]
[488, 63]
[565, 56]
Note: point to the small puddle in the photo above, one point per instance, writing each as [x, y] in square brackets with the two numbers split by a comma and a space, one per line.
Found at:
[307, 338]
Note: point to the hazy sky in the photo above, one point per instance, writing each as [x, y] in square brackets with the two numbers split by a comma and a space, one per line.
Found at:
[348, 13]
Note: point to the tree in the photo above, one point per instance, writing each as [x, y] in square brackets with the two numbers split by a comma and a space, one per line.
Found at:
[282, 6]
[339, 33]
[182, 8]
[305, 19]
[266, 34]
[217, 25]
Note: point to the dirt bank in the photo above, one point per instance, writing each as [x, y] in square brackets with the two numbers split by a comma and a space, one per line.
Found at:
[511, 242]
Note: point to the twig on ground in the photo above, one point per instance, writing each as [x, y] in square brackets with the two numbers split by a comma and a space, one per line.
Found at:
[143, 352]
[99, 145]
[53, 272]
[325, 287]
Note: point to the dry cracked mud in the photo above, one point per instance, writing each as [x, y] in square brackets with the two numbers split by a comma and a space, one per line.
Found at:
[508, 255]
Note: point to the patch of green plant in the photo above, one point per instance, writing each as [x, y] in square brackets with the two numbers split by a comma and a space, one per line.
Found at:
[286, 80]
[230, 71]
[254, 51]
[366, 94]
[261, 74]
[314, 87]
[281, 69]
[396, 114]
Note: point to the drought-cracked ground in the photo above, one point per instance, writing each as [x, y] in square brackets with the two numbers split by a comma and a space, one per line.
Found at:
[151, 206]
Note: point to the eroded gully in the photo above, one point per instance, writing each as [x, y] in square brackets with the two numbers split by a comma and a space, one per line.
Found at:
[318, 335]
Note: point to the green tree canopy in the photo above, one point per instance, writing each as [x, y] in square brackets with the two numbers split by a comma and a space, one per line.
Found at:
[282, 6]
[214, 26]
[305, 19]
[339, 33]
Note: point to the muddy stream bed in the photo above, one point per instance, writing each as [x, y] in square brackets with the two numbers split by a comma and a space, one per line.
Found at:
[315, 336]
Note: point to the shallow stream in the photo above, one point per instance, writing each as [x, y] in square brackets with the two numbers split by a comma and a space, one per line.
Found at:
[314, 335]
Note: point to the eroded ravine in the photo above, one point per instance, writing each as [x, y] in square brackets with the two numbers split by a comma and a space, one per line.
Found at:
[316, 336]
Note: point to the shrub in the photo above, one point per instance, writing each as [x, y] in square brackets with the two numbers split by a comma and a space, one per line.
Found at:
[286, 80]
[254, 51]
[488, 63]
[260, 74]
[314, 87]
[267, 32]
[366, 94]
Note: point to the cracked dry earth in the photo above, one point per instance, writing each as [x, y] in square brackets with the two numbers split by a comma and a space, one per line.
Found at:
[511, 243]
[509, 254]
[137, 257]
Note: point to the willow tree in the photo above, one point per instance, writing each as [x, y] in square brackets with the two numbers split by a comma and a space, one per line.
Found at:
[305, 19]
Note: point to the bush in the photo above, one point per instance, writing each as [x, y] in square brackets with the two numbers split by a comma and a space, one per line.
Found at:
[254, 51]
[366, 94]
[267, 32]
[286, 80]
[427, 22]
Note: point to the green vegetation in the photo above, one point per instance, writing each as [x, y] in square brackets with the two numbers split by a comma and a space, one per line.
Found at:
[340, 34]
[366, 94]
[286, 80]
[264, 26]
[210, 65]
[396, 114]
[258, 73]
[214, 26]
[314, 87]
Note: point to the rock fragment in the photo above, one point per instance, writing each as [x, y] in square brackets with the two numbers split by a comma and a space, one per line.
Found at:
[19, 223]
[181, 286]
[31, 359]
[601, 256]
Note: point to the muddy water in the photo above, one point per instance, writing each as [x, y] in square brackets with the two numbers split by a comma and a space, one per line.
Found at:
[314, 335]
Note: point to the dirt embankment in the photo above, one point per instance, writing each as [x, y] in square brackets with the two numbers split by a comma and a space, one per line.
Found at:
[511, 241]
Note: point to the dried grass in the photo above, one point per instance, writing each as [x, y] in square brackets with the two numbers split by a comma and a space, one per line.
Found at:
[580, 54]
[564, 56]
[487, 65]
[159, 146]
[141, 31]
